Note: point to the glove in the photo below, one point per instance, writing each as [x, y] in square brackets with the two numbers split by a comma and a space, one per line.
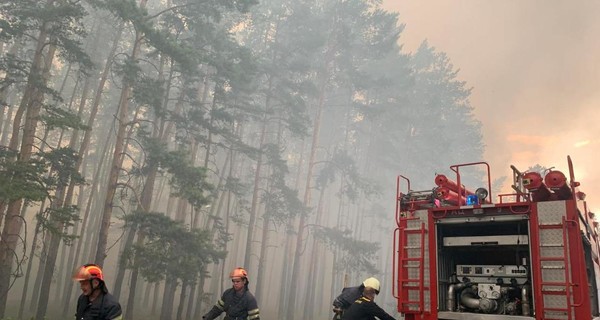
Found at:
[337, 310]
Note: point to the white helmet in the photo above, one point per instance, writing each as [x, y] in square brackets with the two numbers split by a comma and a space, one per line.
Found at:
[373, 283]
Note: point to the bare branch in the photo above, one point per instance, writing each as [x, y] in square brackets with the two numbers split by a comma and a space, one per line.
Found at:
[168, 9]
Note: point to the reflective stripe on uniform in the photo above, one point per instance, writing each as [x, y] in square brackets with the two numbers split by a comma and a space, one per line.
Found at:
[220, 304]
[117, 318]
[253, 314]
[362, 299]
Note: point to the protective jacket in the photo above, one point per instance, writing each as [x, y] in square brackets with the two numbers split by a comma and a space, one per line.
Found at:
[104, 307]
[365, 309]
[345, 299]
[237, 306]
[348, 296]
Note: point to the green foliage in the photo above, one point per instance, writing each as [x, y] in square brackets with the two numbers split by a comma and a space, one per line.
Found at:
[34, 180]
[190, 13]
[22, 18]
[281, 202]
[355, 184]
[169, 249]
[420, 119]
[22, 180]
[354, 255]
[12, 23]
[239, 191]
[273, 154]
[232, 73]
[64, 216]
[19, 17]
[15, 69]
[62, 163]
[283, 81]
[150, 92]
[196, 123]
[129, 69]
[29, 179]
[236, 66]
[56, 117]
[236, 186]
[193, 37]
[222, 237]
[187, 181]
[163, 42]
[68, 30]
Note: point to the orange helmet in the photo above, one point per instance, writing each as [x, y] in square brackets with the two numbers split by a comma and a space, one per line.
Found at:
[238, 272]
[88, 272]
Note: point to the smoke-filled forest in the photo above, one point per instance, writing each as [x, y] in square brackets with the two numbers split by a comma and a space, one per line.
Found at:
[171, 141]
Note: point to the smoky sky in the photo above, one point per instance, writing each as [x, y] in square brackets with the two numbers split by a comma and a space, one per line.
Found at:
[534, 67]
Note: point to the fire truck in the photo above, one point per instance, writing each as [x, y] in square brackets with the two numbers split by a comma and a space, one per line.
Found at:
[531, 254]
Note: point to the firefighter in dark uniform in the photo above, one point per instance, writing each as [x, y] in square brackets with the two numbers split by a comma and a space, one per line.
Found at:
[365, 308]
[95, 303]
[237, 302]
[349, 295]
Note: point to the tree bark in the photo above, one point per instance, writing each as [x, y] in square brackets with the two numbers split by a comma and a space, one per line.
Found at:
[117, 160]
[313, 267]
[63, 199]
[291, 309]
[4, 104]
[5, 130]
[146, 200]
[85, 145]
[13, 220]
[28, 272]
[190, 306]
[166, 312]
[181, 304]
[257, 173]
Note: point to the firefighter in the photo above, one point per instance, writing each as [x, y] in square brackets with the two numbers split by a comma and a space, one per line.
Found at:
[351, 294]
[365, 308]
[95, 303]
[237, 302]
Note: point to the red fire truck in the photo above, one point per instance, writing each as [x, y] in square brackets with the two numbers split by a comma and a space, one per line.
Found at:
[532, 254]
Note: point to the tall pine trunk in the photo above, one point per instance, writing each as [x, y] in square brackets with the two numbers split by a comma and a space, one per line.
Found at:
[181, 304]
[30, 105]
[166, 312]
[146, 199]
[257, 173]
[117, 160]
[63, 199]
[85, 146]
[29, 266]
[291, 309]
[4, 90]
[313, 265]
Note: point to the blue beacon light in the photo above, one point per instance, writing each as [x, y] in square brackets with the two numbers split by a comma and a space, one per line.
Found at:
[472, 199]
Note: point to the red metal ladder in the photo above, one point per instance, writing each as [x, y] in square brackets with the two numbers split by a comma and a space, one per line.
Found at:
[406, 262]
[564, 288]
